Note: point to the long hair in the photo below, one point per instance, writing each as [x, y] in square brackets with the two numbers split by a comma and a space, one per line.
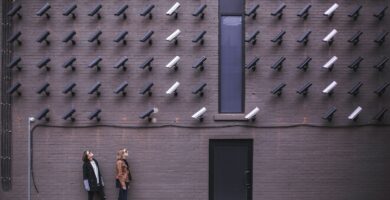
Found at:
[120, 154]
[85, 156]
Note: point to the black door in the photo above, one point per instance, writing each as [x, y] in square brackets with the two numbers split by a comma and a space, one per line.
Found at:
[230, 173]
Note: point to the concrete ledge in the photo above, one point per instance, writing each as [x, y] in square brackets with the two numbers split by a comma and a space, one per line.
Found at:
[229, 117]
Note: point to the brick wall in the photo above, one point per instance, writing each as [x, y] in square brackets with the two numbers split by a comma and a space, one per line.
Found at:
[172, 162]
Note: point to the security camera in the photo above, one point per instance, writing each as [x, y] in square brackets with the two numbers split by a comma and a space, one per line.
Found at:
[329, 114]
[14, 88]
[147, 63]
[355, 89]
[95, 63]
[330, 37]
[174, 36]
[330, 64]
[121, 37]
[121, 63]
[70, 37]
[173, 89]
[96, 11]
[199, 38]
[381, 38]
[304, 89]
[355, 64]
[381, 64]
[200, 63]
[148, 114]
[147, 37]
[252, 64]
[95, 115]
[382, 89]
[304, 38]
[279, 11]
[44, 89]
[44, 63]
[252, 38]
[44, 37]
[330, 12]
[148, 11]
[69, 63]
[95, 89]
[121, 88]
[95, 37]
[43, 114]
[279, 38]
[355, 114]
[69, 115]
[70, 10]
[15, 37]
[199, 114]
[15, 63]
[173, 10]
[279, 64]
[43, 11]
[69, 88]
[278, 89]
[305, 64]
[379, 15]
[355, 38]
[252, 114]
[173, 63]
[200, 11]
[252, 11]
[199, 89]
[121, 11]
[147, 89]
[304, 13]
[356, 12]
[15, 11]
[380, 115]
[329, 89]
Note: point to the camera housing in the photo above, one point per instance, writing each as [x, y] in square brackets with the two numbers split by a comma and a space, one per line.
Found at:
[355, 114]
[173, 89]
[199, 115]
[328, 115]
[252, 38]
[70, 11]
[278, 65]
[278, 89]
[96, 11]
[44, 10]
[304, 13]
[43, 115]
[200, 11]
[252, 114]
[330, 88]
[252, 64]
[279, 11]
[70, 115]
[70, 88]
[148, 11]
[330, 64]
[173, 10]
[330, 12]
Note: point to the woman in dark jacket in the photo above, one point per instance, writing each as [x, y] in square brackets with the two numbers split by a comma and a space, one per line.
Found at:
[93, 180]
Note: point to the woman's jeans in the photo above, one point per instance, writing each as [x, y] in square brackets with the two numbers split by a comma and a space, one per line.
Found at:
[123, 193]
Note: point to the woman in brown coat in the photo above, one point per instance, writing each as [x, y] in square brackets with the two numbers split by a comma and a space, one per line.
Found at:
[123, 175]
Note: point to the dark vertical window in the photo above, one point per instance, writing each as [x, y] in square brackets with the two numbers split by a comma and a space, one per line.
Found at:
[231, 56]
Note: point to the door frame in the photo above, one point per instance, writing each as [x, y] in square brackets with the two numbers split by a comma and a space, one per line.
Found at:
[248, 141]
